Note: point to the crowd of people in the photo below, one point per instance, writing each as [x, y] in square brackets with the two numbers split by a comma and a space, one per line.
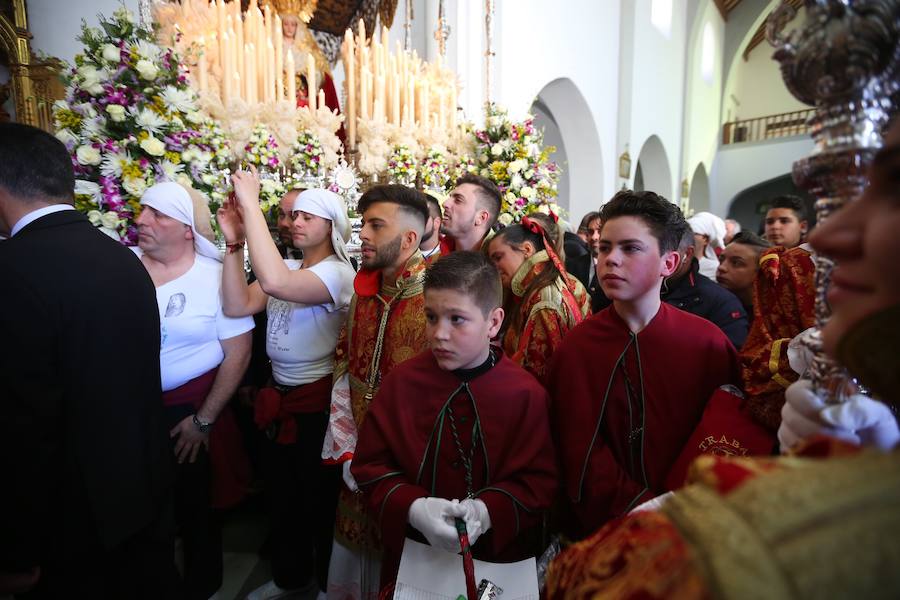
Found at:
[480, 389]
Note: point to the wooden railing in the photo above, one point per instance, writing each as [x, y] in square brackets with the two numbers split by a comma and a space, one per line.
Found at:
[766, 128]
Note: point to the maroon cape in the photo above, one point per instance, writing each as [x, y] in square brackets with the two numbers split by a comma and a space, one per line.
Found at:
[407, 451]
[609, 385]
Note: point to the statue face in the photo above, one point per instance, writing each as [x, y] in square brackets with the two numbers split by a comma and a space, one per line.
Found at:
[289, 26]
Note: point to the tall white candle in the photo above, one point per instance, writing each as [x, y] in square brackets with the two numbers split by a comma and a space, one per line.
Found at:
[291, 80]
[311, 86]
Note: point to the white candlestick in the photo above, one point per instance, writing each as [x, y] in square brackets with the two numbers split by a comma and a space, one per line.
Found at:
[311, 86]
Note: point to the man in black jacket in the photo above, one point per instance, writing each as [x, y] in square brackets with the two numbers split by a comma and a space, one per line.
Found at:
[688, 290]
[584, 266]
[85, 510]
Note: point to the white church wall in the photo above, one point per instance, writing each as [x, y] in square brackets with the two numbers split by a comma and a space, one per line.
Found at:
[541, 45]
[740, 166]
[754, 88]
[703, 90]
[657, 88]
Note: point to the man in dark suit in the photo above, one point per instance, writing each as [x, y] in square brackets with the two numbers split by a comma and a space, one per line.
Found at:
[85, 509]
[584, 266]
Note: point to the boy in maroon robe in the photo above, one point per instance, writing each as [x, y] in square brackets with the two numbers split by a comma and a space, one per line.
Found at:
[458, 431]
[629, 384]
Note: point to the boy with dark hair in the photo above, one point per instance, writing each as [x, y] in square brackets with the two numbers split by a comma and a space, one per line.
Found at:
[469, 213]
[460, 431]
[786, 221]
[622, 416]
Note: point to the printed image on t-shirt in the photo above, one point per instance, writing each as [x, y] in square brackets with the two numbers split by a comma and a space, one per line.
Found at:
[280, 313]
[176, 305]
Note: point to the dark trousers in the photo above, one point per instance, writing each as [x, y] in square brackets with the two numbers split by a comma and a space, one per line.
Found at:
[141, 567]
[301, 494]
[199, 526]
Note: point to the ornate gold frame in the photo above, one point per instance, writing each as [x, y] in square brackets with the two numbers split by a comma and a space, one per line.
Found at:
[35, 84]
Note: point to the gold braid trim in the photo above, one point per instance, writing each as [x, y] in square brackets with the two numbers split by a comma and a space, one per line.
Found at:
[775, 359]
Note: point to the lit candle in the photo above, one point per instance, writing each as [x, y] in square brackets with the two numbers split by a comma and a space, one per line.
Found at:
[321, 102]
[311, 86]
[350, 83]
[279, 60]
[364, 95]
[426, 101]
[291, 80]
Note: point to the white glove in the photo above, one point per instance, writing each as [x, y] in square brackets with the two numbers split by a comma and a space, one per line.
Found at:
[860, 420]
[433, 517]
[477, 518]
[871, 420]
[349, 481]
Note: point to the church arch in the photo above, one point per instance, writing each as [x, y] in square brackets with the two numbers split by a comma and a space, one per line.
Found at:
[562, 111]
[654, 165]
[699, 190]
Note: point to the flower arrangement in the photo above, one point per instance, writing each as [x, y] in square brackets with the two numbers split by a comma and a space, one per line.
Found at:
[261, 151]
[306, 154]
[434, 168]
[402, 165]
[511, 155]
[129, 120]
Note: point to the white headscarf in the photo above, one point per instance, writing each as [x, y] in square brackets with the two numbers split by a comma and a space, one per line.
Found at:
[708, 224]
[328, 205]
[172, 200]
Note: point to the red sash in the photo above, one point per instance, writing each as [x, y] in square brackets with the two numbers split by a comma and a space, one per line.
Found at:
[272, 405]
[231, 473]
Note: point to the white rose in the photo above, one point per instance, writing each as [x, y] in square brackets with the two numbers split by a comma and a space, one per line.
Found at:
[94, 217]
[66, 137]
[516, 182]
[188, 155]
[87, 188]
[87, 155]
[528, 174]
[116, 112]
[146, 69]
[510, 197]
[194, 116]
[505, 219]
[528, 193]
[516, 166]
[135, 186]
[153, 146]
[110, 220]
[497, 149]
[88, 73]
[111, 53]
[483, 158]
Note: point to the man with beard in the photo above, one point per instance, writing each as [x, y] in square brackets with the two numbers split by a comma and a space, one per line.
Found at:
[431, 240]
[584, 266]
[385, 326]
[283, 222]
[469, 214]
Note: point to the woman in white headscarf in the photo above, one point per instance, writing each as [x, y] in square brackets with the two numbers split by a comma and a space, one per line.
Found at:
[709, 236]
[306, 303]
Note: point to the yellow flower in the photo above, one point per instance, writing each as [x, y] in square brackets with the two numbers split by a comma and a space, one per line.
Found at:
[498, 170]
[131, 170]
[174, 157]
[521, 152]
[68, 119]
[142, 135]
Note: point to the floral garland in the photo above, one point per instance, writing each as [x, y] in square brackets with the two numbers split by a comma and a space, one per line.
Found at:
[129, 120]
[261, 151]
[306, 155]
[402, 165]
[511, 155]
[434, 168]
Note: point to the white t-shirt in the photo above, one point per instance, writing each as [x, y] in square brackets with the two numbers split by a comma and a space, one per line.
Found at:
[192, 323]
[301, 338]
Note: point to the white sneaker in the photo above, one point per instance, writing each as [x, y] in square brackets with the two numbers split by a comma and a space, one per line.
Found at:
[267, 591]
